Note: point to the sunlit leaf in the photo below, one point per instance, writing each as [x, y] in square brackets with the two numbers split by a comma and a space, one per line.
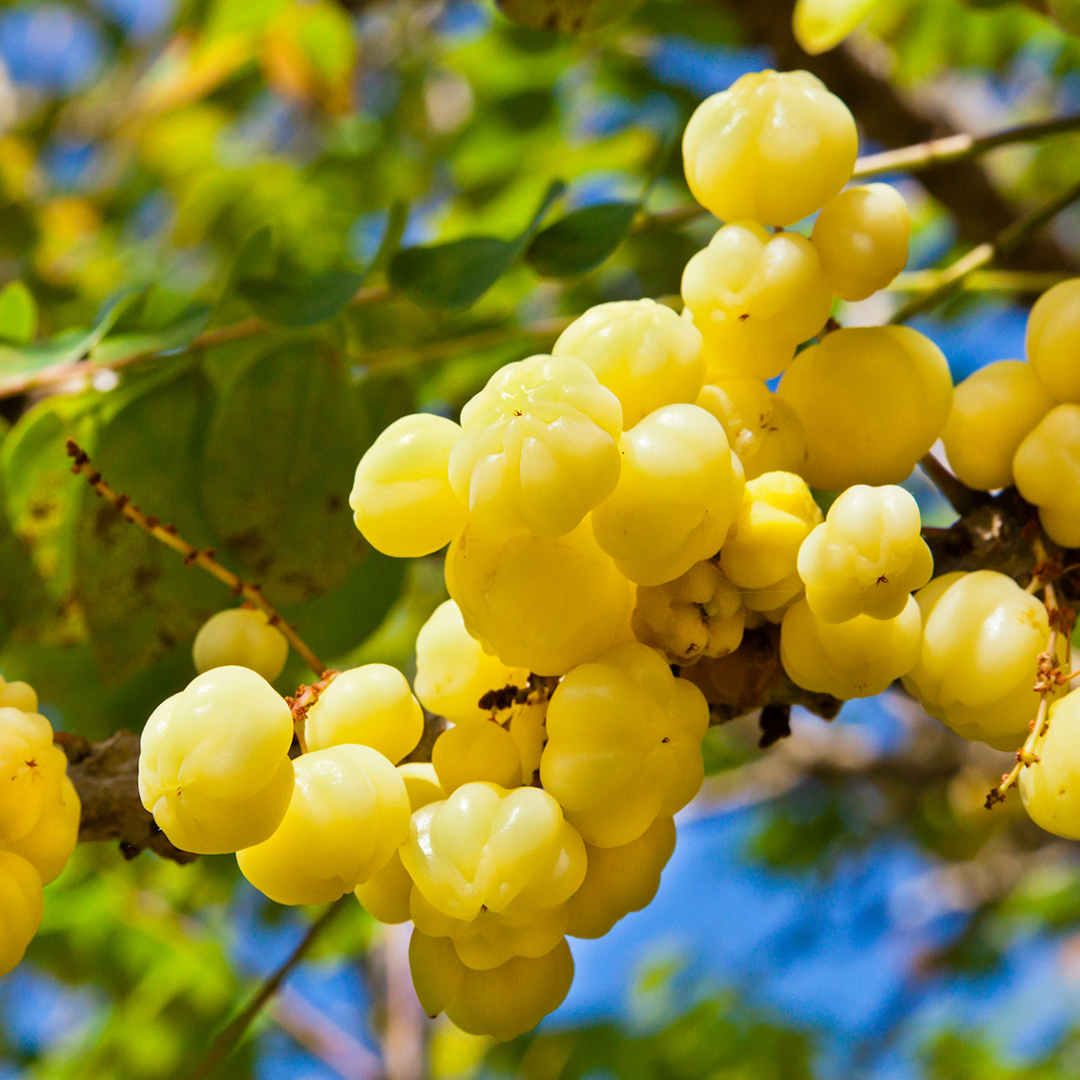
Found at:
[18, 313]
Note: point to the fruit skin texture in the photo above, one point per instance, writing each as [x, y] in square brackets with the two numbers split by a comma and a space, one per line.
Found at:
[453, 672]
[348, 815]
[698, 614]
[641, 351]
[401, 497]
[1052, 340]
[777, 514]
[620, 880]
[503, 1002]
[1047, 472]
[21, 905]
[976, 670]
[994, 410]
[861, 237]
[754, 297]
[371, 705]
[49, 844]
[385, 895]
[241, 637]
[539, 447]
[871, 400]
[1050, 788]
[545, 605]
[854, 659]
[866, 557]
[31, 771]
[214, 768]
[772, 148]
[762, 430]
[486, 848]
[624, 744]
[677, 497]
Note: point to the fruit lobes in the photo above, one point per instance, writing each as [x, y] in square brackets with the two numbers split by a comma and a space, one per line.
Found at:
[776, 516]
[1050, 787]
[754, 297]
[49, 844]
[871, 400]
[762, 430]
[214, 767]
[503, 1002]
[861, 237]
[698, 614]
[976, 668]
[641, 351]
[242, 637]
[453, 672]
[624, 744]
[539, 447]
[370, 705]
[385, 895]
[488, 848]
[21, 905]
[866, 557]
[678, 494]
[772, 148]
[348, 815]
[401, 498]
[1047, 472]
[853, 659]
[620, 880]
[994, 409]
[1052, 348]
[31, 771]
[544, 605]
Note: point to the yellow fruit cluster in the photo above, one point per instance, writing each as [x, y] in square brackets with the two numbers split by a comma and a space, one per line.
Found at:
[39, 817]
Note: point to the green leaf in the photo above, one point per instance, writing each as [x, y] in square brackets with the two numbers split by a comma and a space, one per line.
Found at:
[18, 313]
[454, 275]
[278, 466]
[174, 335]
[582, 240]
[297, 303]
[67, 347]
[137, 597]
[566, 16]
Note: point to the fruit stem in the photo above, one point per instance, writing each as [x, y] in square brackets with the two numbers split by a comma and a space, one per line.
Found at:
[168, 535]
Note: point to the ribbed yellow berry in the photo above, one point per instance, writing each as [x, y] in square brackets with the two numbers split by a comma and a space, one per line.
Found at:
[772, 148]
[476, 751]
[1050, 787]
[21, 905]
[539, 447]
[348, 815]
[49, 844]
[31, 771]
[370, 705]
[1052, 330]
[1047, 473]
[641, 351]
[19, 695]
[819, 25]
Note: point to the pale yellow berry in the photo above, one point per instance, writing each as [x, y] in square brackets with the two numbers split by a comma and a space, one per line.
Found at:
[773, 148]
[539, 447]
[242, 637]
[348, 815]
[370, 705]
[994, 409]
[698, 614]
[49, 844]
[754, 296]
[1047, 473]
[857, 658]
[678, 493]
[21, 905]
[1050, 788]
[483, 751]
[871, 400]
[402, 499]
[866, 557]
[1053, 328]
[543, 604]
[31, 771]
[861, 236]
[819, 25]
[19, 695]
[528, 729]
[641, 351]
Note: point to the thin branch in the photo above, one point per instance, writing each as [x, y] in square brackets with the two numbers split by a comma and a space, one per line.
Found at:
[1031, 282]
[1007, 241]
[960, 147]
[960, 497]
[168, 535]
[57, 374]
[227, 1040]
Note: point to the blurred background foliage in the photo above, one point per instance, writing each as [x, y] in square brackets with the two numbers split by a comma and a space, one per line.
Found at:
[238, 238]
